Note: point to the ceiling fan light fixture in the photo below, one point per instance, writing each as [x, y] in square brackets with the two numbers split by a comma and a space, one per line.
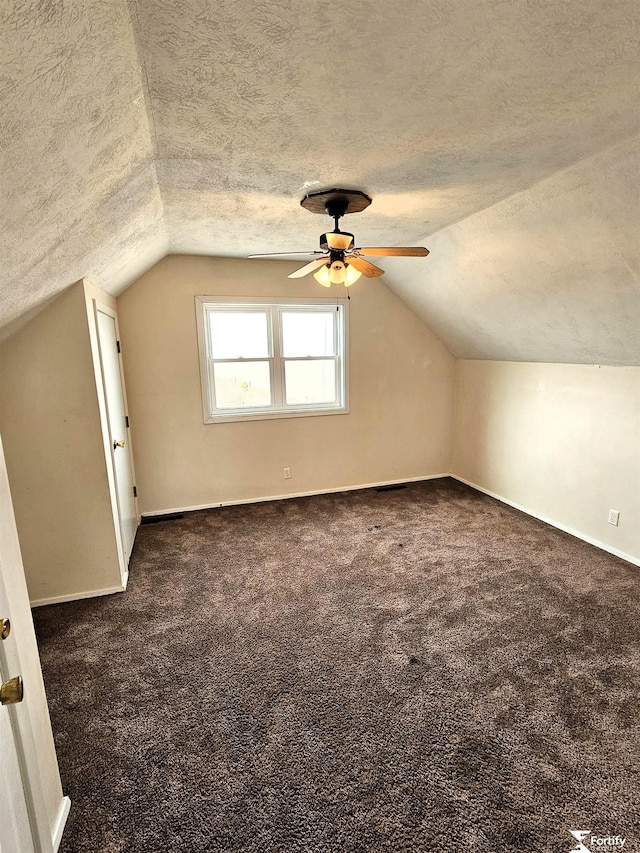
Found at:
[322, 276]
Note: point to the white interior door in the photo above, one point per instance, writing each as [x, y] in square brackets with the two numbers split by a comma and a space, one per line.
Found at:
[118, 427]
[15, 827]
[33, 809]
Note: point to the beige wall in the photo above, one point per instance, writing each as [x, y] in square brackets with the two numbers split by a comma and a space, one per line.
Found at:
[561, 441]
[50, 425]
[401, 394]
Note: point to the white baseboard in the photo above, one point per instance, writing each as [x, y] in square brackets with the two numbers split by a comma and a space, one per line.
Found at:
[333, 490]
[75, 596]
[61, 820]
[578, 534]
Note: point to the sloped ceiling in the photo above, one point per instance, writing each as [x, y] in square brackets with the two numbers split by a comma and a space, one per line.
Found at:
[502, 134]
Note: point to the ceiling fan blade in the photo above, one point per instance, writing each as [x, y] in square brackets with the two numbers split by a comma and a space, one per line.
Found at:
[363, 266]
[283, 254]
[307, 268]
[398, 251]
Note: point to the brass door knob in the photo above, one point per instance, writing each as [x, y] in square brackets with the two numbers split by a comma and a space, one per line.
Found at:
[118, 444]
[5, 628]
[12, 691]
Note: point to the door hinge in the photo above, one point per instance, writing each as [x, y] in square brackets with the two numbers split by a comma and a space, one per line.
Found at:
[135, 492]
[118, 345]
[126, 420]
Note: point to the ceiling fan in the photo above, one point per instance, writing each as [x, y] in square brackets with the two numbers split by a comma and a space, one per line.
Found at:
[338, 261]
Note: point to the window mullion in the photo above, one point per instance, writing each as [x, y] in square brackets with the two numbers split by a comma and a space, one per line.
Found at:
[277, 362]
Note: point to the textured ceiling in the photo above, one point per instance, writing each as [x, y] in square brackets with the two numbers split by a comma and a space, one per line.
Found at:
[502, 134]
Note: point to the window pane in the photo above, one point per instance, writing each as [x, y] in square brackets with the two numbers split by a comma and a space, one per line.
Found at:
[310, 382]
[241, 385]
[239, 334]
[307, 333]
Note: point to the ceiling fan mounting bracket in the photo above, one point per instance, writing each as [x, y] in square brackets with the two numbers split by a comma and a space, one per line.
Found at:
[336, 203]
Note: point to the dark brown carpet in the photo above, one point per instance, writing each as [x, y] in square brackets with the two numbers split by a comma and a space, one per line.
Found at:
[415, 670]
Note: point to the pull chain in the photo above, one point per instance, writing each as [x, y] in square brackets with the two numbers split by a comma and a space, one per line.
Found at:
[338, 296]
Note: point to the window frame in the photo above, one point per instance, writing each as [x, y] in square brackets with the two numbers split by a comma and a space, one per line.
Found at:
[274, 308]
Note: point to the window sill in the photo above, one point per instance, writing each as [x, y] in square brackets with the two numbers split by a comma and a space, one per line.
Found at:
[237, 417]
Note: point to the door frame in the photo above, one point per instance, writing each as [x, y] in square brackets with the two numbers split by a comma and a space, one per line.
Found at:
[106, 432]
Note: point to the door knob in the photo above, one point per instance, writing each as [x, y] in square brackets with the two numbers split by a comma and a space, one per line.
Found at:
[118, 444]
[12, 691]
[5, 628]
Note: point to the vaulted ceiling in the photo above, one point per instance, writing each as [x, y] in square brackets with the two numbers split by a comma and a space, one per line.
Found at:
[502, 134]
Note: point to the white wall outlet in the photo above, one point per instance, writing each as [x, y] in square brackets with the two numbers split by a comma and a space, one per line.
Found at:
[287, 473]
[614, 517]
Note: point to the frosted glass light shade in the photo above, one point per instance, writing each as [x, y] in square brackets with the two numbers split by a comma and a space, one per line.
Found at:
[322, 276]
[337, 272]
[352, 276]
[338, 240]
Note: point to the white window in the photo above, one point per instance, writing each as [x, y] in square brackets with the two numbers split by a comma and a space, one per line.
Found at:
[271, 358]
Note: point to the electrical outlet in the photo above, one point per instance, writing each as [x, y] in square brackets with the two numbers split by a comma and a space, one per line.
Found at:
[287, 473]
[614, 517]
